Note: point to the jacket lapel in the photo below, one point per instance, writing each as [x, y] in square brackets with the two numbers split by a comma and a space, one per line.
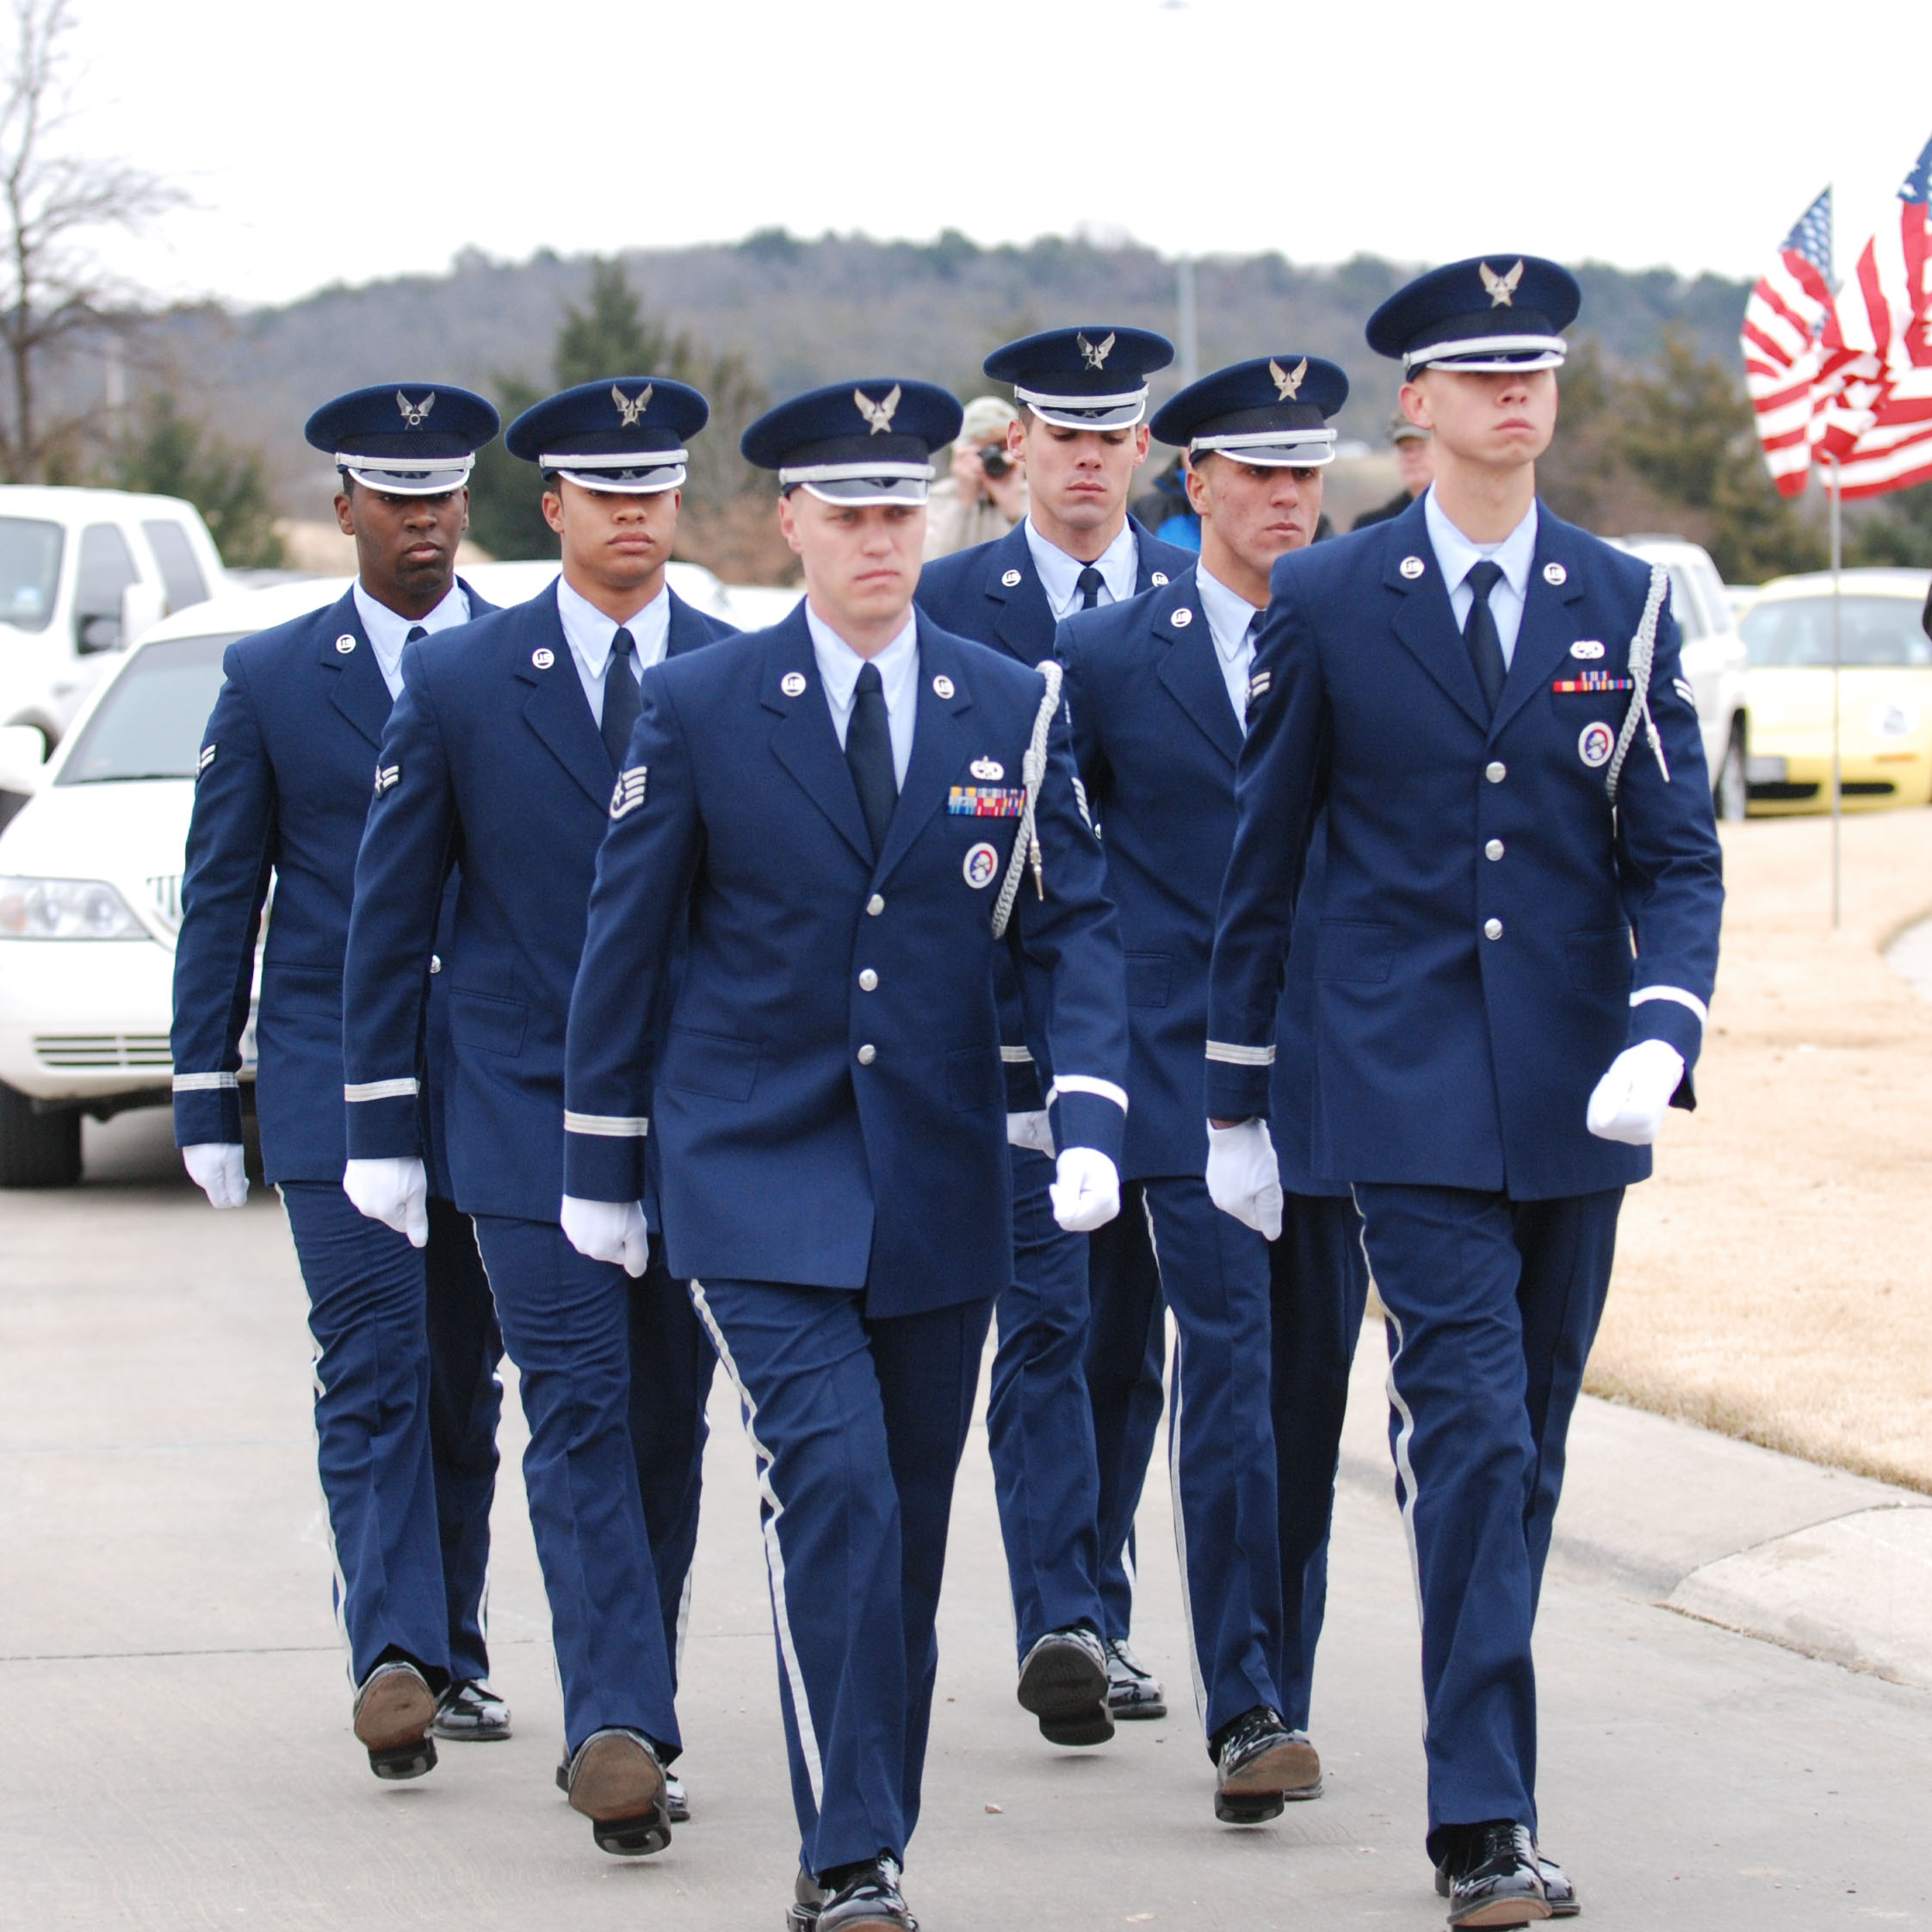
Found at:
[556, 709]
[1548, 630]
[1424, 621]
[804, 740]
[1024, 623]
[939, 744]
[479, 605]
[686, 631]
[356, 689]
[1146, 576]
[1190, 667]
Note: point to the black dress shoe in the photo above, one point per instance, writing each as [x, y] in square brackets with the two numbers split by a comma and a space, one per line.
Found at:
[1259, 1763]
[1492, 1878]
[1063, 1682]
[469, 1712]
[1557, 1887]
[1133, 1690]
[866, 1899]
[809, 1899]
[616, 1783]
[393, 1710]
[676, 1806]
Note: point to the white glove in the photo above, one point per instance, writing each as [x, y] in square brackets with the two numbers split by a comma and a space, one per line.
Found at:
[1031, 1129]
[614, 1231]
[1243, 1177]
[215, 1166]
[1085, 1191]
[395, 1191]
[1632, 1099]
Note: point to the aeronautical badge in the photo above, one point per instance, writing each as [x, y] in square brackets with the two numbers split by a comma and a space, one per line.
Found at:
[942, 686]
[792, 684]
[1586, 647]
[982, 863]
[989, 769]
[877, 415]
[1555, 574]
[543, 657]
[345, 643]
[387, 776]
[415, 414]
[1094, 353]
[1157, 579]
[1182, 618]
[630, 408]
[1500, 289]
[1010, 579]
[206, 759]
[629, 793]
[1412, 567]
[1596, 744]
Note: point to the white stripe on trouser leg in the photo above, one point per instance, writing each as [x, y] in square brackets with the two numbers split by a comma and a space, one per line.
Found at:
[1174, 1424]
[774, 1555]
[339, 1588]
[683, 1618]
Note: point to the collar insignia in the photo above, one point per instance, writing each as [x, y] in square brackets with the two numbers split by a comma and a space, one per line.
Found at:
[413, 414]
[1096, 354]
[879, 415]
[1501, 289]
[1287, 382]
[629, 409]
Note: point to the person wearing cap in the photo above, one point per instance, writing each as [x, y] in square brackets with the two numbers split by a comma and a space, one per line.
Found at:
[406, 1394]
[1157, 688]
[985, 494]
[1076, 1392]
[1516, 946]
[506, 756]
[854, 809]
[1415, 466]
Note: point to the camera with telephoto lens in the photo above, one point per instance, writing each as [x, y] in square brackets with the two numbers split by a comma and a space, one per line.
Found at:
[993, 459]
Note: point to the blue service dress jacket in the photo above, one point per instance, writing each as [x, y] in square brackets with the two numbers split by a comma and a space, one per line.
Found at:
[827, 1105]
[286, 768]
[1157, 741]
[492, 763]
[1492, 933]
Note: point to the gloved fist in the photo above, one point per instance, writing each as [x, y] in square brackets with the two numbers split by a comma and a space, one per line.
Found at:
[1085, 1191]
[1243, 1177]
[1632, 1099]
[1031, 1129]
[614, 1231]
[395, 1191]
[215, 1166]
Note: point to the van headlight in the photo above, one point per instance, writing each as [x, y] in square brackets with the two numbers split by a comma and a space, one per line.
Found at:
[1895, 718]
[66, 909]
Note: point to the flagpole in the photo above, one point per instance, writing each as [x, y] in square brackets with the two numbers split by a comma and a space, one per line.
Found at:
[1837, 560]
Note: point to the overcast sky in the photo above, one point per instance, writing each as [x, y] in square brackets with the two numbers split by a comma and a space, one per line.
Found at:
[359, 139]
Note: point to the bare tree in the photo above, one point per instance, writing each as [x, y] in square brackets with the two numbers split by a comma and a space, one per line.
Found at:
[54, 291]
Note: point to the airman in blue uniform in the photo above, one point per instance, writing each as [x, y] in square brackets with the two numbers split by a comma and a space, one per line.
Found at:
[1157, 688]
[1516, 944]
[1077, 1376]
[855, 809]
[501, 761]
[406, 1391]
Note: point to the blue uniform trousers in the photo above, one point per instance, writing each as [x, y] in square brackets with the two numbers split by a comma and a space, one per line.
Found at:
[465, 1399]
[566, 1324]
[857, 1426]
[372, 1428]
[1492, 1306]
[1039, 1423]
[1318, 1283]
[1214, 1275]
[1126, 1361]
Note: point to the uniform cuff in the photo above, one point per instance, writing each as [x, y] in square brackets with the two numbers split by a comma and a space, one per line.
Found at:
[1237, 1092]
[1023, 1080]
[602, 1167]
[1664, 1014]
[1083, 1119]
[385, 1129]
[208, 1115]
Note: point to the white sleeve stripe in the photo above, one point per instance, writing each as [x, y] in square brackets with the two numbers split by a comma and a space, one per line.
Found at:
[1085, 1083]
[1645, 994]
[608, 1126]
[1016, 1057]
[383, 1090]
[206, 1083]
[1231, 1056]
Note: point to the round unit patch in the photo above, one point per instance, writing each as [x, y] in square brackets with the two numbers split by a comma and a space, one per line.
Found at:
[1182, 618]
[1412, 567]
[345, 643]
[1596, 744]
[982, 863]
[1157, 578]
[1555, 574]
[543, 658]
[1011, 579]
[792, 684]
[942, 686]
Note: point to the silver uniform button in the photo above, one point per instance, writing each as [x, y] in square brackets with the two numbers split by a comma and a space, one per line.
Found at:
[868, 981]
[1496, 771]
[868, 1054]
[1492, 929]
[1494, 849]
[436, 961]
[875, 906]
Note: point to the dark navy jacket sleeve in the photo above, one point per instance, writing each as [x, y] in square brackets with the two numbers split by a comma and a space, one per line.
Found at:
[399, 874]
[230, 844]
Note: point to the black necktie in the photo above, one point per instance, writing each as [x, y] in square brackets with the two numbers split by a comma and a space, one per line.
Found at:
[1089, 582]
[869, 752]
[620, 696]
[415, 631]
[1485, 645]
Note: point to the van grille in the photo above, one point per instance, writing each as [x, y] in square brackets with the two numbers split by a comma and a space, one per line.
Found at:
[164, 894]
[104, 1049]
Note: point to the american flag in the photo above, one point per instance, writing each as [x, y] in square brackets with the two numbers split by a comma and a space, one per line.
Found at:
[1783, 320]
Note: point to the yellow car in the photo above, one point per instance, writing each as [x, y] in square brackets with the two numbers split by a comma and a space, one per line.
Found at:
[1885, 692]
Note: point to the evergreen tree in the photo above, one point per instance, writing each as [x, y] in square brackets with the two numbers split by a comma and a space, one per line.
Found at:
[169, 454]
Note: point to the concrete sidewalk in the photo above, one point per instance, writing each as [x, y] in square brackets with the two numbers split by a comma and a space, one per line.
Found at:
[179, 1755]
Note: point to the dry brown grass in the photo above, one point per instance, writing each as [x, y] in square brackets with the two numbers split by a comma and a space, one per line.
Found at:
[1774, 1280]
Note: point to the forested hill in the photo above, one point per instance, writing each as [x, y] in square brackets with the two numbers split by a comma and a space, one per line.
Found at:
[806, 311]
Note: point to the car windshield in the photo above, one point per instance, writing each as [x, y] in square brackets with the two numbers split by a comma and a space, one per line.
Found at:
[29, 572]
[1796, 630]
[149, 723]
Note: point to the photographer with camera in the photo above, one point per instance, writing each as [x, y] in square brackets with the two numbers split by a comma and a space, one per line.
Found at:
[985, 494]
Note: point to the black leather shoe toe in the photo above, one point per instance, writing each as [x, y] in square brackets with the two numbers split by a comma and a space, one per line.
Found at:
[1260, 1763]
[868, 1900]
[1492, 1878]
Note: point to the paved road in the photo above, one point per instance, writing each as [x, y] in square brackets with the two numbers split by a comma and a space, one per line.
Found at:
[177, 1748]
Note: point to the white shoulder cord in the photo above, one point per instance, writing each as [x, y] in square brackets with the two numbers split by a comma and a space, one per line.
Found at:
[1643, 651]
[1026, 841]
